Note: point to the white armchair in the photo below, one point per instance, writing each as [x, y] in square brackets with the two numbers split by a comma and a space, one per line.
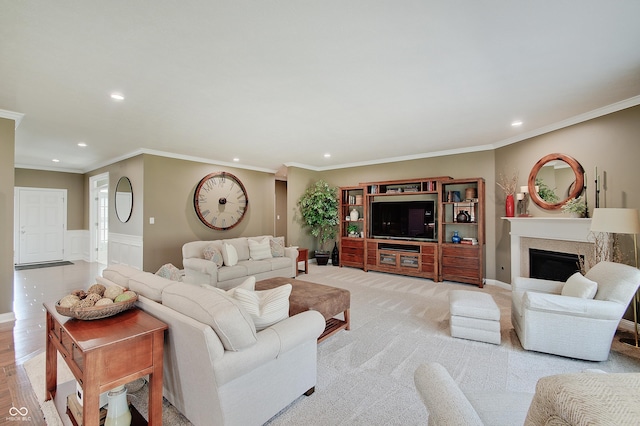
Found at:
[546, 321]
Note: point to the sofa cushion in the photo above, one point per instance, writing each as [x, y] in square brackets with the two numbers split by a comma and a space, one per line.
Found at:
[259, 250]
[579, 286]
[227, 273]
[248, 284]
[279, 262]
[149, 285]
[120, 274]
[213, 254]
[256, 266]
[229, 255]
[233, 325]
[266, 307]
[277, 246]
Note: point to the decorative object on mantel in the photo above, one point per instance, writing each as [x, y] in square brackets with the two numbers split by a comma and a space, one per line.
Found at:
[575, 207]
[508, 185]
[621, 221]
[557, 165]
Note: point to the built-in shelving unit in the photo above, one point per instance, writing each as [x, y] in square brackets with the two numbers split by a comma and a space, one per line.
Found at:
[427, 252]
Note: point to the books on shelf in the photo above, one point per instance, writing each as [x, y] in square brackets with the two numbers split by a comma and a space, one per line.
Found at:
[469, 240]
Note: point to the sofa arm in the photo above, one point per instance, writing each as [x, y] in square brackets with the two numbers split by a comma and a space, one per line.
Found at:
[537, 284]
[196, 270]
[445, 402]
[299, 328]
[573, 306]
[291, 252]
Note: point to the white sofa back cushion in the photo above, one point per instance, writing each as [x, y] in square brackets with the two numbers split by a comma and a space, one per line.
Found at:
[229, 320]
[149, 285]
[120, 274]
[260, 250]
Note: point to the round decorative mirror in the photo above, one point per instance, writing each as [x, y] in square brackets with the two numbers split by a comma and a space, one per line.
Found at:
[124, 199]
[554, 180]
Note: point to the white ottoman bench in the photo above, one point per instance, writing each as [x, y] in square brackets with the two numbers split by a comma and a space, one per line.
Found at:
[474, 316]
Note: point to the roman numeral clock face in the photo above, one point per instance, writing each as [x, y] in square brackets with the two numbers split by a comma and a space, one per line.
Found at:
[220, 201]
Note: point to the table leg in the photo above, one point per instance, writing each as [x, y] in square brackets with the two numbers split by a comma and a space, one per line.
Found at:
[347, 319]
[51, 364]
[155, 380]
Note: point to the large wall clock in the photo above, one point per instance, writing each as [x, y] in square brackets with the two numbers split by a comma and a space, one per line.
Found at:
[220, 201]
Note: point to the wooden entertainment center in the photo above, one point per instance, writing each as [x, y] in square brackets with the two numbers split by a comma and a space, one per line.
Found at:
[406, 227]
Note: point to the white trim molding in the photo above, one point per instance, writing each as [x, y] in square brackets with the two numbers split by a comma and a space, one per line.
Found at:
[125, 250]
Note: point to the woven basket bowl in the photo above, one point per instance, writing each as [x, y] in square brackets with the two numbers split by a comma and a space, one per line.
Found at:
[96, 312]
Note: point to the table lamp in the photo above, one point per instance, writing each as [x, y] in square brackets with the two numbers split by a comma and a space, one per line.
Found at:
[620, 221]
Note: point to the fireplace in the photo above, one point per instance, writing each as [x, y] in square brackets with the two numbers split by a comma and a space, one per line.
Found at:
[553, 265]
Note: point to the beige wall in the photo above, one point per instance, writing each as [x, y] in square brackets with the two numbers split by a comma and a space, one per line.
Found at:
[72, 182]
[169, 186]
[7, 154]
[610, 143]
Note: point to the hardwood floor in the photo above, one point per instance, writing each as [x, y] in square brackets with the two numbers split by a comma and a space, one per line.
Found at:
[25, 338]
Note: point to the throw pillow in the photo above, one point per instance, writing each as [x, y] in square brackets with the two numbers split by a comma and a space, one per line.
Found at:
[259, 250]
[170, 272]
[248, 284]
[229, 255]
[213, 254]
[277, 246]
[580, 286]
[266, 307]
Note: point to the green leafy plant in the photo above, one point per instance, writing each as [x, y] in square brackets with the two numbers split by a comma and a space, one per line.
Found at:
[575, 205]
[319, 210]
[352, 229]
[545, 193]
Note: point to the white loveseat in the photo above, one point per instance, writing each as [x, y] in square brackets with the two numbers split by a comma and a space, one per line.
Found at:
[217, 369]
[198, 270]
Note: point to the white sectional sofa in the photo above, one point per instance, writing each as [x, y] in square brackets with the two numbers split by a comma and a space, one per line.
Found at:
[225, 275]
[217, 369]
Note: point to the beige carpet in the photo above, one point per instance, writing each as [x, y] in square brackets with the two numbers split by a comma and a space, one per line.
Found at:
[365, 376]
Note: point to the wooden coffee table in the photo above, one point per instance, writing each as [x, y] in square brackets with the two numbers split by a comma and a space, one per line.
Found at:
[306, 296]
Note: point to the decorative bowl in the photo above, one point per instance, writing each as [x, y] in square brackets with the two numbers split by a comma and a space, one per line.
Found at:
[96, 312]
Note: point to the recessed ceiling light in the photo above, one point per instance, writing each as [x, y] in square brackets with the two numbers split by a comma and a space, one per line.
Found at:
[236, 159]
[82, 144]
[117, 97]
[327, 155]
[55, 160]
[516, 124]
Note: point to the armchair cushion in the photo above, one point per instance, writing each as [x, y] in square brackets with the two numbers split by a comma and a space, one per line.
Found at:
[579, 286]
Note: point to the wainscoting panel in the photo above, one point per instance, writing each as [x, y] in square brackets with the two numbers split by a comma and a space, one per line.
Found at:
[76, 245]
[125, 250]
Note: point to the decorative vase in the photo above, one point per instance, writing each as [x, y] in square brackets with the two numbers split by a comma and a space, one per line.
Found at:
[118, 413]
[335, 256]
[456, 238]
[322, 257]
[354, 214]
[510, 206]
[463, 217]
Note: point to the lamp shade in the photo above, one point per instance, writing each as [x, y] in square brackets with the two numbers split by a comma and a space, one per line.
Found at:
[616, 221]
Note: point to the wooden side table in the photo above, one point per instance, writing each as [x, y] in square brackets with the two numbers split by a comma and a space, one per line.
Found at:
[303, 256]
[106, 353]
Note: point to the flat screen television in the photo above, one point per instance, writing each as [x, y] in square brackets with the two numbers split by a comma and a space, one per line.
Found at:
[404, 220]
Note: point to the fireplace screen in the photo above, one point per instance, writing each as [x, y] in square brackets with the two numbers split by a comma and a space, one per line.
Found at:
[551, 265]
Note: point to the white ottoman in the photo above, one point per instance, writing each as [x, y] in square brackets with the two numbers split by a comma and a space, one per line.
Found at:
[474, 316]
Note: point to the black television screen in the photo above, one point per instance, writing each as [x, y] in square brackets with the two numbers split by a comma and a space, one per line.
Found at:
[404, 220]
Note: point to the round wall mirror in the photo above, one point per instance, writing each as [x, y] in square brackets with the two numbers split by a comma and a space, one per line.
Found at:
[554, 180]
[124, 199]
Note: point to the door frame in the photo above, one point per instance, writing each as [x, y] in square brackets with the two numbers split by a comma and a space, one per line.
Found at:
[93, 215]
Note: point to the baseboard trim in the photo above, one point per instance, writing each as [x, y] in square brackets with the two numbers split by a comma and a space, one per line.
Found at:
[7, 317]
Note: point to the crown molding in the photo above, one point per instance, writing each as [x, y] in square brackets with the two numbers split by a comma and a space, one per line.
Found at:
[11, 115]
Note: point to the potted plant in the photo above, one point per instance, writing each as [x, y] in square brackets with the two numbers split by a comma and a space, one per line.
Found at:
[319, 210]
[575, 207]
[352, 230]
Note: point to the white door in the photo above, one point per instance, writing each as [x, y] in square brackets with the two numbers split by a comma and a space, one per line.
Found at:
[103, 224]
[41, 224]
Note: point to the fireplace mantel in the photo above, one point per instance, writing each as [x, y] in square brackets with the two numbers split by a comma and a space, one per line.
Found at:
[547, 228]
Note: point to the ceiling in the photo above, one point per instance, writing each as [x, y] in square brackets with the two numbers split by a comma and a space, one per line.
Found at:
[285, 82]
